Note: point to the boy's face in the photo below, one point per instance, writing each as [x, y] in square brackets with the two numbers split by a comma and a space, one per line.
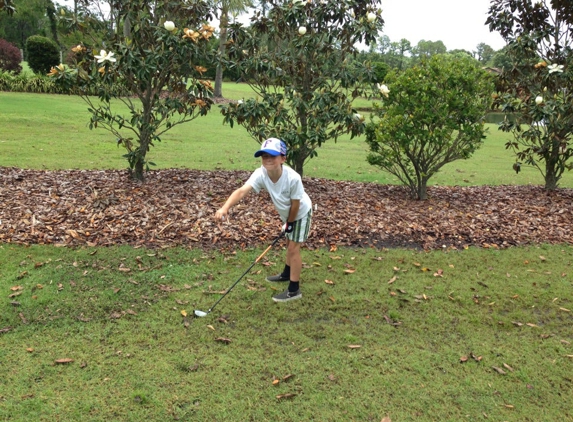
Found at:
[271, 162]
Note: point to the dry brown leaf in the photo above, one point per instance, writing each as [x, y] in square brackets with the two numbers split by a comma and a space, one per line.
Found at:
[498, 370]
[286, 396]
[223, 340]
[349, 271]
[392, 280]
[64, 361]
[329, 282]
[509, 368]
[354, 346]
[386, 419]
[184, 312]
[463, 359]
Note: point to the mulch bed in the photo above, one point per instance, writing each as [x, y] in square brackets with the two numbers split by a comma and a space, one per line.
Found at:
[176, 207]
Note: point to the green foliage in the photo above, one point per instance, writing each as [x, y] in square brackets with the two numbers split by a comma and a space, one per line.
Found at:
[163, 68]
[536, 86]
[433, 115]
[10, 57]
[298, 60]
[43, 53]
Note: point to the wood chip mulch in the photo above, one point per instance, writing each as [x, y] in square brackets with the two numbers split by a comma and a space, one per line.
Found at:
[176, 207]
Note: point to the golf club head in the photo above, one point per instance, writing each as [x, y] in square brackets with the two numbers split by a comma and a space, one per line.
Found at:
[200, 313]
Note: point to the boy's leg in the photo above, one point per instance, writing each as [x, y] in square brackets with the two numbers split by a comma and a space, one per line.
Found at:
[294, 259]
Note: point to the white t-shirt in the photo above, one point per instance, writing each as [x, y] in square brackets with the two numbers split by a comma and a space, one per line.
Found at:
[288, 187]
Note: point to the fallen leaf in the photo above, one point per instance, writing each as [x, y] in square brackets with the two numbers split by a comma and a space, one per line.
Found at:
[329, 282]
[276, 382]
[498, 370]
[288, 377]
[349, 271]
[386, 419]
[286, 396]
[184, 312]
[463, 359]
[392, 280]
[354, 346]
[64, 361]
[223, 340]
[509, 368]
[211, 327]
[564, 309]
[439, 273]
[16, 288]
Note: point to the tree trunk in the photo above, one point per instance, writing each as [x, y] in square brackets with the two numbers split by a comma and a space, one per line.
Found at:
[423, 189]
[551, 178]
[218, 92]
[298, 164]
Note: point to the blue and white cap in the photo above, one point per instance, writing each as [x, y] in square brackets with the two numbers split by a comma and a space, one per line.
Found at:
[272, 146]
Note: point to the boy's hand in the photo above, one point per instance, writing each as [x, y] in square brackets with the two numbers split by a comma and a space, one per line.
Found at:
[221, 214]
[289, 227]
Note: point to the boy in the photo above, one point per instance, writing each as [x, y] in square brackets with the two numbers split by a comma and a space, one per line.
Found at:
[290, 200]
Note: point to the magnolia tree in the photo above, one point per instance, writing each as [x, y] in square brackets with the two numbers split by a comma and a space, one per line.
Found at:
[298, 60]
[536, 86]
[432, 114]
[154, 68]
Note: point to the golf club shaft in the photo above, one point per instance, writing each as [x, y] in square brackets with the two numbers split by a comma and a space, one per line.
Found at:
[248, 269]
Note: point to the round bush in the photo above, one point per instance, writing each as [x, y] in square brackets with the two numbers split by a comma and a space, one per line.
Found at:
[43, 54]
[10, 57]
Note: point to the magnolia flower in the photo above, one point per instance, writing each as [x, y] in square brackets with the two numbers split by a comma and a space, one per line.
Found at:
[302, 30]
[538, 99]
[55, 70]
[555, 68]
[240, 102]
[359, 117]
[79, 49]
[383, 89]
[192, 35]
[103, 56]
[352, 14]
[371, 17]
[170, 26]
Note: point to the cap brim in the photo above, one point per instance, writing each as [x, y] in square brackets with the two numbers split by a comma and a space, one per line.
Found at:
[267, 151]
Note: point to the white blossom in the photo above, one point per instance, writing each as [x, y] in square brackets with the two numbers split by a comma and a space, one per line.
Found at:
[169, 25]
[538, 99]
[302, 30]
[103, 56]
[555, 68]
[384, 90]
[371, 17]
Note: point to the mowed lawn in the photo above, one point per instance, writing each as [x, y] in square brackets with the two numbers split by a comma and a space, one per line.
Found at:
[107, 334]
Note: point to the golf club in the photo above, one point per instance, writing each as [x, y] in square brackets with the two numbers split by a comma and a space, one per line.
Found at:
[204, 314]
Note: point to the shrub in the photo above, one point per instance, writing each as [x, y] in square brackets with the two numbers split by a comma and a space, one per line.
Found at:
[43, 54]
[10, 57]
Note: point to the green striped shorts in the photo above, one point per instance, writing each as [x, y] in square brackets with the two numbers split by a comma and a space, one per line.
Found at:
[301, 229]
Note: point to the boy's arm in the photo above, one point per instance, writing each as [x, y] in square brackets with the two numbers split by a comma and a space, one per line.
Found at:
[233, 199]
[294, 207]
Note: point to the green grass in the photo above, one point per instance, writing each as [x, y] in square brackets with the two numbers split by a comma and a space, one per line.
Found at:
[135, 358]
[50, 131]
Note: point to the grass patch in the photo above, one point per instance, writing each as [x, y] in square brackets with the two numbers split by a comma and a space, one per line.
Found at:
[50, 131]
[135, 358]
